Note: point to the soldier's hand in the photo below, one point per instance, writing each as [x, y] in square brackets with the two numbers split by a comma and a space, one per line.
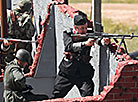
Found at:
[6, 42]
[105, 41]
[89, 42]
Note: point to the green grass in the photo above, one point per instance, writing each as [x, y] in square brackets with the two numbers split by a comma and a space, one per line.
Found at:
[105, 1]
[120, 1]
[79, 1]
[111, 27]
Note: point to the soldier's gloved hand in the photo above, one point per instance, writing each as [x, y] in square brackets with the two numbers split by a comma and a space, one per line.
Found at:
[29, 87]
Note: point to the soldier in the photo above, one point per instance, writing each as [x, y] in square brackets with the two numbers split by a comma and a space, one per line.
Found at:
[15, 87]
[75, 68]
[20, 24]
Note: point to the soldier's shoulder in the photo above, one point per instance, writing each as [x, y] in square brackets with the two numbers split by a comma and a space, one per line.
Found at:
[68, 30]
[12, 64]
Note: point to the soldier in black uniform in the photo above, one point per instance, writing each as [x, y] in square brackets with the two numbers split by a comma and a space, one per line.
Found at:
[75, 68]
[15, 87]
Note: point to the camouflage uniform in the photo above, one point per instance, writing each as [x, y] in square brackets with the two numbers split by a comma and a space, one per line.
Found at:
[20, 26]
[15, 87]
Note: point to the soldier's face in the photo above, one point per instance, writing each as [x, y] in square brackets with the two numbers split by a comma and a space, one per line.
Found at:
[25, 64]
[22, 64]
[81, 29]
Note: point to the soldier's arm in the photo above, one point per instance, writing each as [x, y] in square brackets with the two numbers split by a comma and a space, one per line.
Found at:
[71, 46]
[30, 30]
[19, 79]
[103, 42]
[29, 27]
[5, 46]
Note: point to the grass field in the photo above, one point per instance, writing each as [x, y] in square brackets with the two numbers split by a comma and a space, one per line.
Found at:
[111, 27]
[120, 1]
[105, 1]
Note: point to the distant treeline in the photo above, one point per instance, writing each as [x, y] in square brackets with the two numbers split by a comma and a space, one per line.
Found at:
[105, 1]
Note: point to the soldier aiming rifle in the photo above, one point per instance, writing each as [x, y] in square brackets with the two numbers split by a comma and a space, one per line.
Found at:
[100, 35]
[75, 67]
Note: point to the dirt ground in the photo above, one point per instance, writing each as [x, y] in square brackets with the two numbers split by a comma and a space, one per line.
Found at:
[124, 13]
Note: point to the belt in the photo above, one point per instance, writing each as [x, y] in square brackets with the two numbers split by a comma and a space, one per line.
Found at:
[84, 58]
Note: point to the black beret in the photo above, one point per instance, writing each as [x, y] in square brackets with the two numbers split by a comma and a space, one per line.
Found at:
[79, 20]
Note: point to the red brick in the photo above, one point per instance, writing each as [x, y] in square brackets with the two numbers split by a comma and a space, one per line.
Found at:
[123, 96]
[131, 78]
[125, 84]
[131, 68]
[135, 73]
[137, 84]
[110, 96]
[135, 95]
[133, 99]
[130, 100]
[117, 90]
[132, 90]
[121, 79]
[115, 100]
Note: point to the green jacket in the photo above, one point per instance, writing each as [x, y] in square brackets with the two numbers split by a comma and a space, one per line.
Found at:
[21, 27]
[14, 83]
[15, 87]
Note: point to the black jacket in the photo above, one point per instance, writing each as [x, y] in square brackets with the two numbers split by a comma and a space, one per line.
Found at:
[75, 65]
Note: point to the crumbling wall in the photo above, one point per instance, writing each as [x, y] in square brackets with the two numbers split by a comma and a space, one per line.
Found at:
[122, 88]
[126, 88]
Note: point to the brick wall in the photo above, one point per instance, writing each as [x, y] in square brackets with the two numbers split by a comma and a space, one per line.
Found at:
[126, 88]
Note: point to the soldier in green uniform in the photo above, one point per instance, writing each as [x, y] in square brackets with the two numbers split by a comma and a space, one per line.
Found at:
[15, 87]
[20, 24]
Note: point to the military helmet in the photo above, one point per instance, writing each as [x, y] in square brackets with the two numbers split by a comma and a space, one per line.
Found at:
[25, 5]
[23, 55]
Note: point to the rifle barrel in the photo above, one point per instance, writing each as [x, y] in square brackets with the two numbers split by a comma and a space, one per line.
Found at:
[17, 40]
[105, 35]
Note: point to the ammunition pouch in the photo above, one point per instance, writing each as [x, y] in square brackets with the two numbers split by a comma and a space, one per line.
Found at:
[71, 56]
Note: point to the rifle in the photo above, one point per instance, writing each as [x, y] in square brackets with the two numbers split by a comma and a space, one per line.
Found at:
[17, 40]
[101, 35]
